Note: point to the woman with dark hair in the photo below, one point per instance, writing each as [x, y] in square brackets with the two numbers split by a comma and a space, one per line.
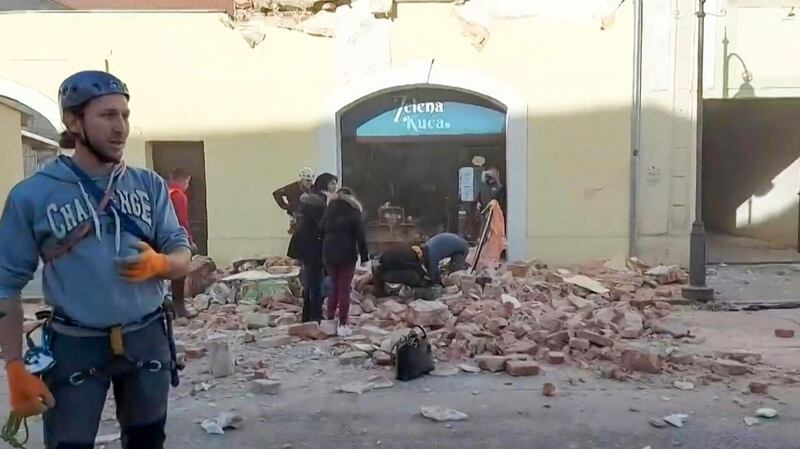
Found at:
[306, 243]
[344, 240]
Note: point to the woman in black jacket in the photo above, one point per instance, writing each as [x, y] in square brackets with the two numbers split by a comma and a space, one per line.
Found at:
[344, 239]
[306, 243]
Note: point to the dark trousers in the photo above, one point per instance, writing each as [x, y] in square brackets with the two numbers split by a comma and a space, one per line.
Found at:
[177, 289]
[312, 292]
[342, 277]
[141, 395]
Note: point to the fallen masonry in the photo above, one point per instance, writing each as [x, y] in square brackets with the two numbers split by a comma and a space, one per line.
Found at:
[612, 318]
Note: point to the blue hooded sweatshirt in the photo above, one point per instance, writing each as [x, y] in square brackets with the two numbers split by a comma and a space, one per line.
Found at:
[84, 284]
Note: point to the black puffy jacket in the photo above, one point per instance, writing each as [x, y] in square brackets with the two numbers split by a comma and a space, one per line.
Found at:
[344, 236]
[306, 242]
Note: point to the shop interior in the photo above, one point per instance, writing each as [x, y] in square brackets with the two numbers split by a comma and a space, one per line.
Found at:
[407, 177]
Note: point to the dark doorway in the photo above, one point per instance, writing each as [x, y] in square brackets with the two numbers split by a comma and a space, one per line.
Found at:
[190, 156]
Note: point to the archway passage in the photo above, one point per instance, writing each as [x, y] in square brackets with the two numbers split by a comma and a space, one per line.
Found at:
[422, 160]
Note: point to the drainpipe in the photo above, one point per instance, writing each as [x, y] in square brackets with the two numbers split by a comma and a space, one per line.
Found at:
[697, 289]
[636, 126]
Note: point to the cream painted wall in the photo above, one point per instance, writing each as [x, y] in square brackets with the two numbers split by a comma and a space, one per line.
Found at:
[256, 110]
[577, 83]
[11, 164]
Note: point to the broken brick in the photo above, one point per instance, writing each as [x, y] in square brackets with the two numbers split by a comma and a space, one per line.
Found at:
[493, 363]
[640, 360]
[522, 368]
[784, 333]
[309, 330]
[725, 367]
[581, 344]
[555, 358]
[274, 342]
[264, 386]
[522, 347]
[595, 338]
[549, 390]
[758, 388]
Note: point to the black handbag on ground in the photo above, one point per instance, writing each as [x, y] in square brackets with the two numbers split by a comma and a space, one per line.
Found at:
[413, 355]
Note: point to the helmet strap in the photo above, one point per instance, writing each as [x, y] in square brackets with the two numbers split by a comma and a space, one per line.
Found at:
[83, 138]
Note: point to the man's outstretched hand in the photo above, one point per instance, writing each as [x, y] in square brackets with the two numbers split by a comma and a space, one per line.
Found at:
[146, 265]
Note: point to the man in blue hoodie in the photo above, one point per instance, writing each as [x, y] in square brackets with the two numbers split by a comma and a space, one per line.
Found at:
[108, 237]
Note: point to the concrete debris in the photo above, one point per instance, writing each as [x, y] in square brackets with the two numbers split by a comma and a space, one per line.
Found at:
[445, 372]
[587, 283]
[441, 414]
[221, 423]
[363, 387]
[740, 355]
[725, 367]
[257, 320]
[274, 342]
[106, 439]
[263, 386]
[784, 333]
[768, 413]
[751, 421]
[671, 327]
[685, 386]
[353, 357]
[221, 359]
[472, 369]
[676, 420]
[658, 423]
[309, 330]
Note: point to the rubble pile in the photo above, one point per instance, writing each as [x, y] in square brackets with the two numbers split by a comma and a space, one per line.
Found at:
[612, 317]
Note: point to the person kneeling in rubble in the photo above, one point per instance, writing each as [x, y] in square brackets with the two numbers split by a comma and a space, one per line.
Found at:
[440, 247]
[109, 238]
[419, 267]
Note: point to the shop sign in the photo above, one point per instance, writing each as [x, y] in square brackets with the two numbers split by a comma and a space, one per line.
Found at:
[413, 118]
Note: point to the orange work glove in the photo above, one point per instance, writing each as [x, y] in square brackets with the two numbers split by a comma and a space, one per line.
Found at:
[28, 394]
[148, 264]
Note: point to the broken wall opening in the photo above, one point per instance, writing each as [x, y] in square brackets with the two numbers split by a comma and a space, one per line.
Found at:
[403, 152]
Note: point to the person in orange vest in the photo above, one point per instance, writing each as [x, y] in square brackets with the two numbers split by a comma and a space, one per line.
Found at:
[178, 185]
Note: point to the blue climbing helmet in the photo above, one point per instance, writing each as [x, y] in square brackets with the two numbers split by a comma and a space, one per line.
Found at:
[80, 88]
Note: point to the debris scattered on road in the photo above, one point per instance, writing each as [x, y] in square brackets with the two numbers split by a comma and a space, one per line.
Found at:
[549, 390]
[442, 414]
[784, 333]
[766, 413]
[223, 422]
[758, 388]
[375, 383]
[750, 421]
[685, 386]
[658, 423]
[469, 368]
[106, 439]
[676, 420]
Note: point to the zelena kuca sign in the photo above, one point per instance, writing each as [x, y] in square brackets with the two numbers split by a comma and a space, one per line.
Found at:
[432, 118]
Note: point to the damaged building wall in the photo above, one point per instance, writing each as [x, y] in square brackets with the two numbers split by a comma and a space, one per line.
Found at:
[258, 109]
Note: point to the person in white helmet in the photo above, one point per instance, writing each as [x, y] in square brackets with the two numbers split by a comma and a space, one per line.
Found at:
[288, 196]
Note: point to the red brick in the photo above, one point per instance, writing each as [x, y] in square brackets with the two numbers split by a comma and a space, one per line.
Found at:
[580, 344]
[522, 347]
[758, 388]
[493, 363]
[522, 368]
[640, 360]
[595, 338]
[555, 358]
[308, 331]
[784, 333]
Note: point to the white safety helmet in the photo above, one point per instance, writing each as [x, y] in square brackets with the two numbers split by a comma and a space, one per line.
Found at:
[307, 174]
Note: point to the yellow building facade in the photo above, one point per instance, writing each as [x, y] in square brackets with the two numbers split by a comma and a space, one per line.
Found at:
[260, 113]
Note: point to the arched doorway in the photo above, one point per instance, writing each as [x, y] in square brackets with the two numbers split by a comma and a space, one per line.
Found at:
[426, 74]
[423, 160]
